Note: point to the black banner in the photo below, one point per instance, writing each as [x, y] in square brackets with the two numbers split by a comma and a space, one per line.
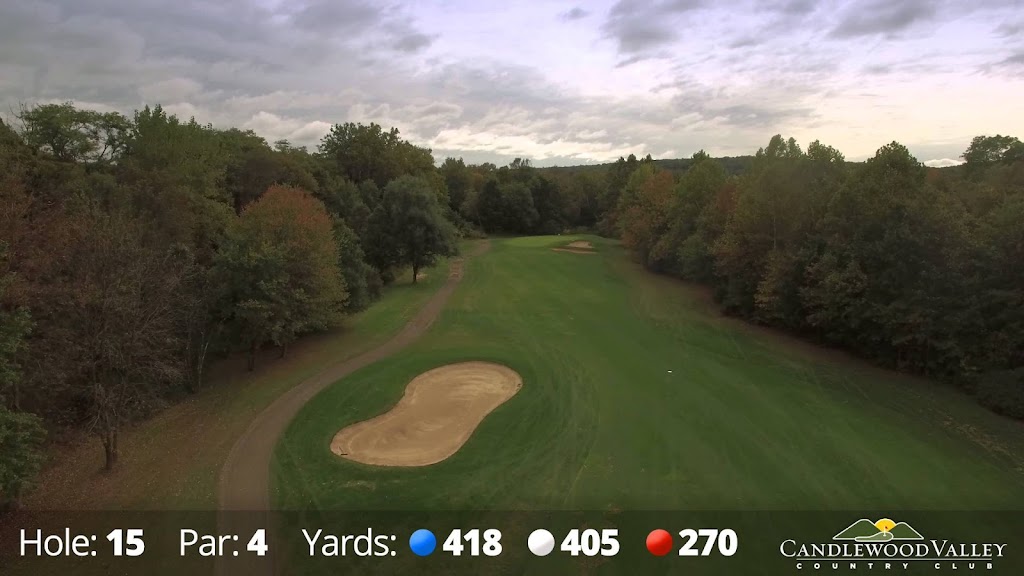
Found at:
[491, 542]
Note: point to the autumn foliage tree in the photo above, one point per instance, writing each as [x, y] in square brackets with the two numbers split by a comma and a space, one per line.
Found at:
[644, 216]
[280, 264]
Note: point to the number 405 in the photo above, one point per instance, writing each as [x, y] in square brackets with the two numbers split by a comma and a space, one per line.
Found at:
[727, 541]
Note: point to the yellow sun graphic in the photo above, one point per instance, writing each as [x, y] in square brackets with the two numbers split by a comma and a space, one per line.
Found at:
[885, 525]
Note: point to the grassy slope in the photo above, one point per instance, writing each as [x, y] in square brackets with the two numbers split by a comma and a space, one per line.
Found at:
[172, 460]
[744, 419]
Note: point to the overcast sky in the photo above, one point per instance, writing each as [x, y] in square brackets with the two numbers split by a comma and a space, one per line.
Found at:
[557, 82]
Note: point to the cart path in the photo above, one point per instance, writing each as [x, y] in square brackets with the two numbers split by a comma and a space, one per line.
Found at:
[245, 478]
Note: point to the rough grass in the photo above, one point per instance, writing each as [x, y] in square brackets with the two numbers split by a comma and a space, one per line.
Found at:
[637, 395]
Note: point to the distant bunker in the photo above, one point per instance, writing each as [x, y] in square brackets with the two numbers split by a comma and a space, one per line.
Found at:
[578, 247]
[438, 413]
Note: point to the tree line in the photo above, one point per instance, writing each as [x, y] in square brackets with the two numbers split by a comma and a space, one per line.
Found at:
[917, 269]
[136, 250]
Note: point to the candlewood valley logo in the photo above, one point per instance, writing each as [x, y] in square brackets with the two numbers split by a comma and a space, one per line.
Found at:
[889, 545]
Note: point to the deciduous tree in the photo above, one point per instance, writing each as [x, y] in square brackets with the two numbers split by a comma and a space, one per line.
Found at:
[280, 262]
[74, 135]
[409, 227]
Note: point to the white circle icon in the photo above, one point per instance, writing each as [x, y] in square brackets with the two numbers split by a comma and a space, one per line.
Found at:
[541, 542]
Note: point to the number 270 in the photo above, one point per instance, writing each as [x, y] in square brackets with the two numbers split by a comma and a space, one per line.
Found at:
[727, 541]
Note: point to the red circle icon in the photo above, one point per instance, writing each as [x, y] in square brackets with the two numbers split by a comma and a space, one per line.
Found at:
[659, 542]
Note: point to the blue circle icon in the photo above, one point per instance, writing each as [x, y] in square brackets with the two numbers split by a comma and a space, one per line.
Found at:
[422, 542]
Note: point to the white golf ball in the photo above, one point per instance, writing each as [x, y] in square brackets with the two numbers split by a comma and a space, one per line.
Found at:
[541, 542]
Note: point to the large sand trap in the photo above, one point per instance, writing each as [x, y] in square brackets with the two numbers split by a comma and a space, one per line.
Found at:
[435, 417]
[577, 247]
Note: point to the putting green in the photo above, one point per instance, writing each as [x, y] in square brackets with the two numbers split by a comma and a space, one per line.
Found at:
[638, 396]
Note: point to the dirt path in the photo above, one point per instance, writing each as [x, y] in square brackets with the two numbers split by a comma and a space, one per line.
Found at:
[245, 478]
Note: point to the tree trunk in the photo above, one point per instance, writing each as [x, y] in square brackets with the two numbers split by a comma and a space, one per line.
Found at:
[415, 272]
[201, 362]
[110, 449]
[252, 356]
[284, 349]
[14, 502]
[927, 348]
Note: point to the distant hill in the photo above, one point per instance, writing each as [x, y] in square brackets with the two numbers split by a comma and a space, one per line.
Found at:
[733, 165]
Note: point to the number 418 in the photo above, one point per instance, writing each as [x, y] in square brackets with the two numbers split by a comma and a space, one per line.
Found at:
[727, 541]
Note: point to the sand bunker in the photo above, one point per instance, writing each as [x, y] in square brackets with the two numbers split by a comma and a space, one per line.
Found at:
[577, 247]
[435, 417]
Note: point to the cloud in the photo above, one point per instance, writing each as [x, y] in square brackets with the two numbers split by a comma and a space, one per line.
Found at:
[1011, 65]
[744, 42]
[490, 83]
[943, 162]
[1014, 60]
[878, 69]
[412, 41]
[795, 7]
[576, 13]
[1010, 29]
[754, 116]
[640, 25]
[171, 89]
[884, 17]
[274, 127]
[337, 16]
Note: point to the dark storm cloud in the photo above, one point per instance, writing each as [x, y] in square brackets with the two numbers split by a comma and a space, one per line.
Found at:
[576, 13]
[641, 25]
[884, 17]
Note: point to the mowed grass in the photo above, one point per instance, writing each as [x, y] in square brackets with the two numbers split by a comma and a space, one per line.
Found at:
[638, 396]
[172, 461]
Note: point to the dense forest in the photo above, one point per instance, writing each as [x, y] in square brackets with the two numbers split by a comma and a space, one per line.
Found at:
[917, 269]
[135, 251]
[138, 250]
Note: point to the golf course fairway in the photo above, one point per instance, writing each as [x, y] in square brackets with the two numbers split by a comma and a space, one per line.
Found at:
[637, 395]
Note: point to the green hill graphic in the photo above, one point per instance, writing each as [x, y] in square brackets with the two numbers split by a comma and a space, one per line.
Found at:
[877, 537]
[903, 531]
[859, 529]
